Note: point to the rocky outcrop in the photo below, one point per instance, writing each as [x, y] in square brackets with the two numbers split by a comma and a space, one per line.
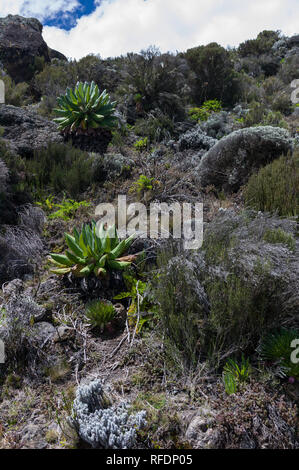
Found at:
[26, 131]
[53, 54]
[229, 163]
[21, 46]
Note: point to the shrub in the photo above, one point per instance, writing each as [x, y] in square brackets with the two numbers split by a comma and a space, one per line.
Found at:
[59, 168]
[66, 210]
[156, 126]
[259, 116]
[141, 144]
[262, 44]
[181, 301]
[102, 425]
[152, 80]
[16, 95]
[215, 77]
[256, 418]
[280, 236]
[203, 113]
[275, 187]
[100, 313]
[93, 250]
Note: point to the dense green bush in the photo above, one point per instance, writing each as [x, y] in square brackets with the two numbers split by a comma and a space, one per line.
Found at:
[154, 81]
[261, 45]
[16, 94]
[275, 187]
[60, 168]
[215, 77]
[258, 115]
[156, 126]
[203, 113]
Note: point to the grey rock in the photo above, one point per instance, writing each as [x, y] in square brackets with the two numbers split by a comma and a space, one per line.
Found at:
[21, 43]
[200, 433]
[26, 131]
[229, 163]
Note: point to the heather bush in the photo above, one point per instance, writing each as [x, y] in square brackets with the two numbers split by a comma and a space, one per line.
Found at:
[214, 75]
[275, 187]
[156, 126]
[262, 44]
[16, 94]
[60, 168]
[154, 81]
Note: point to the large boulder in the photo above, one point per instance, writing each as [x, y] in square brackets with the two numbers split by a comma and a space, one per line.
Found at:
[21, 44]
[25, 131]
[229, 163]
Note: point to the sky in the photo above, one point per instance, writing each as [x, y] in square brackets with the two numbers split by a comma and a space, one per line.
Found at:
[114, 27]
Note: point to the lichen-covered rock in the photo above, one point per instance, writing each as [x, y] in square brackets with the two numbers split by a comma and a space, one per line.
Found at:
[229, 163]
[101, 425]
[21, 45]
[26, 131]
[196, 139]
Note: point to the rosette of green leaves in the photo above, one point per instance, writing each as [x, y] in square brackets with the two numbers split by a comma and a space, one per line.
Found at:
[86, 108]
[93, 250]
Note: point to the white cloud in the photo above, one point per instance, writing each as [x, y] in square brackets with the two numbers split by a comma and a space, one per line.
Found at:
[119, 26]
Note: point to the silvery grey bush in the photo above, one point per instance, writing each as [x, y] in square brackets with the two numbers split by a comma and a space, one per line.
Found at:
[102, 426]
[196, 139]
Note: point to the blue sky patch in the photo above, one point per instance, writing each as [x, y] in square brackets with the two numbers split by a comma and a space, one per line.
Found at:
[67, 20]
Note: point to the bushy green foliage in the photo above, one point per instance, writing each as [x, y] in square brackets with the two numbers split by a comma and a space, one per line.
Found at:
[280, 236]
[261, 45]
[141, 144]
[100, 313]
[203, 113]
[154, 81]
[93, 250]
[277, 348]
[156, 126]
[16, 94]
[179, 309]
[85, 108]
[59, 168]
[259, 116]
[144, 183]
[275, 187]
[66, 210]
[235, 373]
[215, 77]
